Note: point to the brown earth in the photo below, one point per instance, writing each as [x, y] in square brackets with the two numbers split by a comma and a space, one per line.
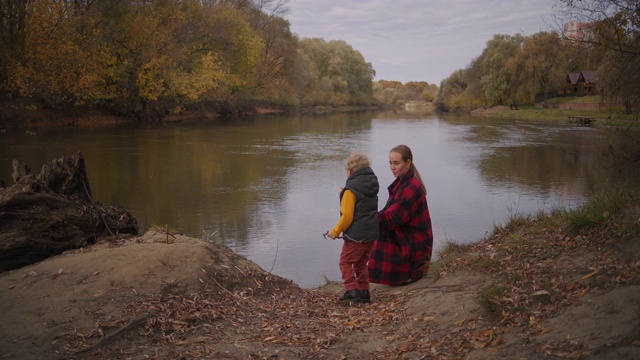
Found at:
[525, 293]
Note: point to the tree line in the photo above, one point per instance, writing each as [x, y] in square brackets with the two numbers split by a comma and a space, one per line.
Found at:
[145, 59]
[513, 69]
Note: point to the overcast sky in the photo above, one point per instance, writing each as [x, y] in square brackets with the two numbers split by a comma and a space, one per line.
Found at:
[418, 40]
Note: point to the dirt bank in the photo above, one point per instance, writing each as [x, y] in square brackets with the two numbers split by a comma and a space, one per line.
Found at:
[526, 292]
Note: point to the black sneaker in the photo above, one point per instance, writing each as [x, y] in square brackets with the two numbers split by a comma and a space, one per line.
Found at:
[364, 296]
[350, 295]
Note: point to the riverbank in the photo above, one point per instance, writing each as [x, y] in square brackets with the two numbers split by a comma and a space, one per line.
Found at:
[563, 111]
[28, 116]
[564, 285]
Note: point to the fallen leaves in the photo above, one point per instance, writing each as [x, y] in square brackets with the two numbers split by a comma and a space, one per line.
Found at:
[247, 314]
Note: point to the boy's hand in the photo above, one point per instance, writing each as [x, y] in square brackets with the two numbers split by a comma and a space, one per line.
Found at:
[328, 234]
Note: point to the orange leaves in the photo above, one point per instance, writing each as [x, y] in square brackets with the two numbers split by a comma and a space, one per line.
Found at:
[479, 340]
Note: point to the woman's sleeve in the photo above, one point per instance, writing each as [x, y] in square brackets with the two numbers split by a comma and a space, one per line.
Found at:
[347, 208]
[401, 210]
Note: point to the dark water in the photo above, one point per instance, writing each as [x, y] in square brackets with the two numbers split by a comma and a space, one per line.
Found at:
[268, 186]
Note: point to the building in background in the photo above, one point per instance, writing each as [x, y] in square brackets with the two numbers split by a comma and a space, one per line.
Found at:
[575, 30]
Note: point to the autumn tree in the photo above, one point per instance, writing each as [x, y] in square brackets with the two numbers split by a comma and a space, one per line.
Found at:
[430, 92]
[275, 69]
[60, 64]
[414, 90]
[13, 14]
[395, 93]
[147, 59]
[387, 92]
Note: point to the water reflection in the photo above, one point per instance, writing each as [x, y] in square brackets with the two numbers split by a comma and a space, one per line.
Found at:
[268, 186]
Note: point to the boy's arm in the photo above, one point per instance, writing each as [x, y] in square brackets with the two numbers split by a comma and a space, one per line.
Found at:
[347, 207]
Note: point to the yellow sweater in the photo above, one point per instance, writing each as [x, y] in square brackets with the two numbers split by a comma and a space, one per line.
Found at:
[347, 208]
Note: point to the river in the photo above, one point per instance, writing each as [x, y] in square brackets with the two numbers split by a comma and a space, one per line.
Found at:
[267, 186]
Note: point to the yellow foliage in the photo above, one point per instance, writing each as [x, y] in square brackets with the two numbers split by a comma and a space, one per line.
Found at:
[207, 77]
[247, 46]
[150, 81]
[59, 63]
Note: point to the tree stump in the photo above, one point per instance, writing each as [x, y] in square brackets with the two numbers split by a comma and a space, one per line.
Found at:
[46, 214]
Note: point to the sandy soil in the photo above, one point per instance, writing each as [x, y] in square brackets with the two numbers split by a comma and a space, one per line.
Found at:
[165, 297]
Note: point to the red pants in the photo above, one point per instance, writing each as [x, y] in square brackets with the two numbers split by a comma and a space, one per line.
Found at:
[353, 264]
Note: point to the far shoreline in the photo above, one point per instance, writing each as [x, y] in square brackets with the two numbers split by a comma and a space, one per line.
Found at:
[26, 116]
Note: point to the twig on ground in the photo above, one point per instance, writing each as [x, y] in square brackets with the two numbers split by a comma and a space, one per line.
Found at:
[133, 323]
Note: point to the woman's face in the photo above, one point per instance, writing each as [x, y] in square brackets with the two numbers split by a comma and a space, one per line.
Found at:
[398, 166]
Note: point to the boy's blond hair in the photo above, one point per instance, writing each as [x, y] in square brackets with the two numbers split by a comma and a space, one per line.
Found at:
[357, 160]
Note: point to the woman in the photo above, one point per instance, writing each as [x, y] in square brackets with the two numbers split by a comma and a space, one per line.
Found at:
[402, 253]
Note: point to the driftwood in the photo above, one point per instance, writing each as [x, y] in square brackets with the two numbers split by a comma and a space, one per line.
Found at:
[44, 214]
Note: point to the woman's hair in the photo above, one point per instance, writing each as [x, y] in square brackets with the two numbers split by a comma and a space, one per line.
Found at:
[406, 155]
[357, 160]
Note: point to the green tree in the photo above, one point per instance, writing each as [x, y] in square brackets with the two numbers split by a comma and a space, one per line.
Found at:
[341, 75]
[538, 68]
[496, 79]
[473, 78]
[451, 95]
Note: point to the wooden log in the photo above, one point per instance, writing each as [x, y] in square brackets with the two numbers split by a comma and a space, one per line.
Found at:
[51, 212]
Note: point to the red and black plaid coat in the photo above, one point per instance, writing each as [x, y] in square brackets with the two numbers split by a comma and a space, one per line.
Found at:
[406, 238]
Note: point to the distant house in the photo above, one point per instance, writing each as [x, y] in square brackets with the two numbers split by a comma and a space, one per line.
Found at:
[578, 30]
[571, 84]
[588, 82]
[580, 84]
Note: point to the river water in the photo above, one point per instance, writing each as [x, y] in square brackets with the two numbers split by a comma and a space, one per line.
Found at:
[267, 186]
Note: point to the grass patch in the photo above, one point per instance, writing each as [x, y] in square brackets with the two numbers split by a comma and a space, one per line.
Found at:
[450, 254]
[577, 99]
[602, 209]
[489, 301]
[610, 117]
[485, 264]
[451, 249]
[516, 221]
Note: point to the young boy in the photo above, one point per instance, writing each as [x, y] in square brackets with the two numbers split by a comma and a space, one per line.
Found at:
[359, 226]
